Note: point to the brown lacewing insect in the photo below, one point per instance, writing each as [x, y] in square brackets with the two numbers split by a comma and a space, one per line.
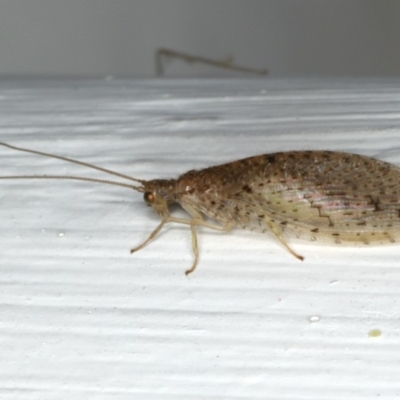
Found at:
[314, 195]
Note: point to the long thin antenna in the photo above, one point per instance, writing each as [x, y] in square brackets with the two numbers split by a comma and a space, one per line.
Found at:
[76, 178]
[41, 153]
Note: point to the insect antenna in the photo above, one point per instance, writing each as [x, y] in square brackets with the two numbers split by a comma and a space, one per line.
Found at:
[71, 160]
[80, 178]
[76, 178]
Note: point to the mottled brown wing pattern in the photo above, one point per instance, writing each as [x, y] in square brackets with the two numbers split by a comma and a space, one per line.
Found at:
[317, 196]
[344, 198]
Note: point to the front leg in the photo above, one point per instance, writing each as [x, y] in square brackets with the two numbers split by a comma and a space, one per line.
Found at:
[196, 220]
[151, 236]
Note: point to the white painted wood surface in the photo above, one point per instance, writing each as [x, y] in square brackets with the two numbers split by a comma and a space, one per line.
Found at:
[81, 318]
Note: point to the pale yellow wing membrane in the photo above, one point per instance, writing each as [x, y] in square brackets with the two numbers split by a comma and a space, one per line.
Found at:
[343, 198]
[318, 196]
[333, 219]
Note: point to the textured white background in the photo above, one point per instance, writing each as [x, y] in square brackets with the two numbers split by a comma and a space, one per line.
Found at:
[81, 318]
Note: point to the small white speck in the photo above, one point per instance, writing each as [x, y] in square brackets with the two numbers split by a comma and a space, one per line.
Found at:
[314, 318]
[61, 234]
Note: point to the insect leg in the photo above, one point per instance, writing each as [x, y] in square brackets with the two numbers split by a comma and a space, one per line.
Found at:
[276, 232]
[151, 236]
[197, 220]
[195, 249]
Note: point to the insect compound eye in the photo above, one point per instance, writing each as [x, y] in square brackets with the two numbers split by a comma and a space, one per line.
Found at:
[149, 197]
